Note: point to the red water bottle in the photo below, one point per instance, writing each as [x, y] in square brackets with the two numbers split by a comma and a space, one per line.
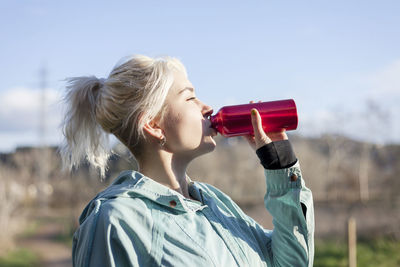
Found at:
[236, 120]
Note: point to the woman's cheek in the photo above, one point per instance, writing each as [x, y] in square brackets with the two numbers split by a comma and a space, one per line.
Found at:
[185, 129]
[193, 131]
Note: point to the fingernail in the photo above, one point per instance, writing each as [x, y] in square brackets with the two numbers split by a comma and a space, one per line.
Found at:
[253, 112]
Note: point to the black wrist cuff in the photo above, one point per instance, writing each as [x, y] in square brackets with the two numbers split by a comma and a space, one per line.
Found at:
[277, 155]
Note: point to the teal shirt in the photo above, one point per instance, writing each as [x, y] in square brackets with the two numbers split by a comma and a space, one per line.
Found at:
[139, 222]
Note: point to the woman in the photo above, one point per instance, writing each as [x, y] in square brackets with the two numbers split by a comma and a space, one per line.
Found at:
[157, 216]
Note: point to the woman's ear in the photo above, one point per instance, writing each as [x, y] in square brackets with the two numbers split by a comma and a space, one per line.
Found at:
[152, 128]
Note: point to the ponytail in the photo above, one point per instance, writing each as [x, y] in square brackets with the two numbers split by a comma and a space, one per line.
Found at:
[84, 137]
[133, 94]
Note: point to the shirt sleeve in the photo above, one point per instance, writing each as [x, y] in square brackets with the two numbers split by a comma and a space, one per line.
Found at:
[290, 203]
[277, 155]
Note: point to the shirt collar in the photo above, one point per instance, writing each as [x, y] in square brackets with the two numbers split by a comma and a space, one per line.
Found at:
[135, 184]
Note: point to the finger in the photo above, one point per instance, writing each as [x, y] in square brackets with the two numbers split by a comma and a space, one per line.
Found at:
[249, 137]
[250, 140]
[276, 136]
[257, 123]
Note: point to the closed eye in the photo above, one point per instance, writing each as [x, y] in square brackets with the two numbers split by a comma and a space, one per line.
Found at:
[192, 98]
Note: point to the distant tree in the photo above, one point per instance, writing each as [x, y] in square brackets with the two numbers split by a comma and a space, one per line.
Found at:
[377, 124]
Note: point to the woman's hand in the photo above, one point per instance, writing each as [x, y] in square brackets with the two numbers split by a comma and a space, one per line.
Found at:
[260, 138]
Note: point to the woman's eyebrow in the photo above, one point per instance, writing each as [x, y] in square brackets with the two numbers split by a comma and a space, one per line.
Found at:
[186, 88]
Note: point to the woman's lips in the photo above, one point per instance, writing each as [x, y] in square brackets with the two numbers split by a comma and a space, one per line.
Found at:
[213, 132]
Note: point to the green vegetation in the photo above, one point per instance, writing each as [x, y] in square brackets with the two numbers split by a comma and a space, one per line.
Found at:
[377, 253]
[30, 229]
[19, 258]
[67, 233]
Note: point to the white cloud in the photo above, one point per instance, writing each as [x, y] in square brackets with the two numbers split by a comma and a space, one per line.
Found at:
[11, 140]
[20, 110]
[386, 82]
[356, 124]
[385, 91]
[322, 121]
[353, 116]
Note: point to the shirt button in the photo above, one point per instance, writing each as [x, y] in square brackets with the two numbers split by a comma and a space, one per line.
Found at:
[172, 203]
[293, 177]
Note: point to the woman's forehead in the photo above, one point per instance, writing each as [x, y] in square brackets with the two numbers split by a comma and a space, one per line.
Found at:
[181, 84]
[187, 88]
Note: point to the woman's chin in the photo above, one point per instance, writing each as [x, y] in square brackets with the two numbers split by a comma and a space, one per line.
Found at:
[211, 143]
[207, 145]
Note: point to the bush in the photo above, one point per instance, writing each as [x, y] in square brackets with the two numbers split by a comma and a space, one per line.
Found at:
[377, 253]
[19, 258]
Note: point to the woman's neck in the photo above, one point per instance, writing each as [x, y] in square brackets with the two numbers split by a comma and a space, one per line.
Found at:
[167, 170]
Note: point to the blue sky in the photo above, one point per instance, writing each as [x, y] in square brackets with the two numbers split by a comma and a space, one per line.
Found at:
[330, 56]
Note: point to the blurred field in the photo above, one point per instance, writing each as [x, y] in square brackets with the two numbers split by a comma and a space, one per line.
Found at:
[40, 205]
[20, 258]
[380, 252]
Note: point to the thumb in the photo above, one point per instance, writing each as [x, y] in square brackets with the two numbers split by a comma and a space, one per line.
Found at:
[257, 124]
[260, 137]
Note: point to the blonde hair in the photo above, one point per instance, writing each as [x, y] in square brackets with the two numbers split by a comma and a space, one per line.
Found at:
[133, 94]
